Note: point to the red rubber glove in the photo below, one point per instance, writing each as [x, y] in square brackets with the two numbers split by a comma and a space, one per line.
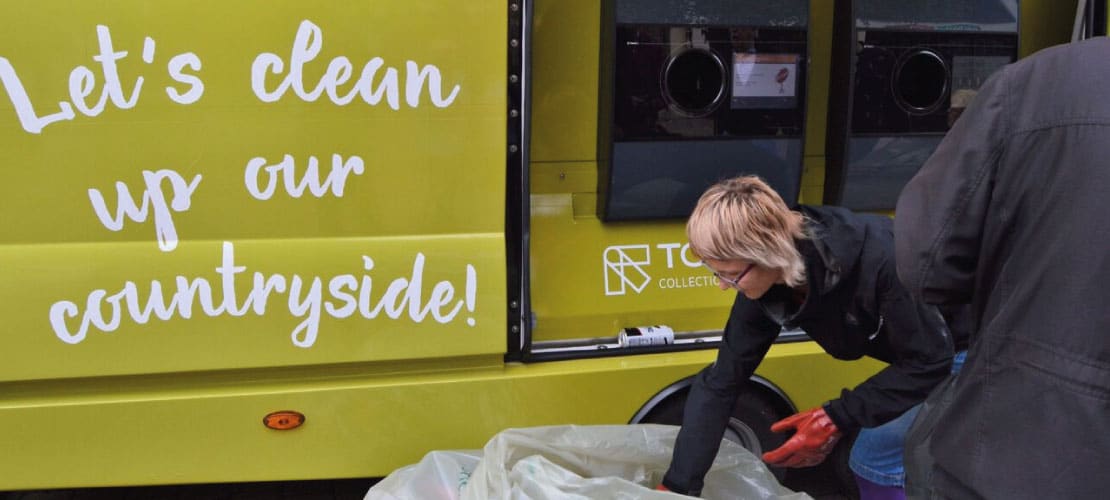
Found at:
[814, 437]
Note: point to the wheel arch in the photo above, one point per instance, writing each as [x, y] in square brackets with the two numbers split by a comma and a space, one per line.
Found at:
[760, 385]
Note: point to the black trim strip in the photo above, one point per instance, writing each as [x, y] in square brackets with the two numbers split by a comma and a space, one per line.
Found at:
[517, 213]
[1096, 12]
[607, 352]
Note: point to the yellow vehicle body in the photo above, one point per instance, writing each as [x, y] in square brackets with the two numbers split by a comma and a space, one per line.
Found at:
[217, 210]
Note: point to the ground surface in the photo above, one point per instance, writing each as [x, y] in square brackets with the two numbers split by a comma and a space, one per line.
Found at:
[347, 489]
[814, 481]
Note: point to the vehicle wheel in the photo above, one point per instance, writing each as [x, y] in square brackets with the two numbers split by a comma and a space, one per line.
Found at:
[749, 426]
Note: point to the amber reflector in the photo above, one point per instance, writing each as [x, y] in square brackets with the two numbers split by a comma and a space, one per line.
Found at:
[283, 420]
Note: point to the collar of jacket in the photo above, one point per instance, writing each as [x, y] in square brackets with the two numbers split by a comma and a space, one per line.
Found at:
[831, 251]
[833, 247]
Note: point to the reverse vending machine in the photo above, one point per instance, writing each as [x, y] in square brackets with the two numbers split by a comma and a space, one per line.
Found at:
[902, 72]
[696, 92]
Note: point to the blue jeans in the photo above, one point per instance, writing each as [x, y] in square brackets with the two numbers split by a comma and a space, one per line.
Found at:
[877, 453]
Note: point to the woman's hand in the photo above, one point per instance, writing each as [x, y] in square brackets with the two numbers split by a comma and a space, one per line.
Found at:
[814, 437]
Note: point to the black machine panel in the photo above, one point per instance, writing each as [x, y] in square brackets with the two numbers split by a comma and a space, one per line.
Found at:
[902, 73]
[692, 96]
[904, 81]
[669, 88]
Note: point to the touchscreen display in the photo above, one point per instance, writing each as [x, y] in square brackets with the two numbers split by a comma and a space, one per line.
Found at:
[764, 80]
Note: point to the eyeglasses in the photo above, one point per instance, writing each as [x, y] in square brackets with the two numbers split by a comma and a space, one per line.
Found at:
[734, 282]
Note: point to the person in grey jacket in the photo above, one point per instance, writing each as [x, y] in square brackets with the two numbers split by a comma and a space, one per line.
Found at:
[829, 272]
[1010, 214]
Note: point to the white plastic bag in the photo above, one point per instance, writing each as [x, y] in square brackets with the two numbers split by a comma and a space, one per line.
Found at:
[574, 462]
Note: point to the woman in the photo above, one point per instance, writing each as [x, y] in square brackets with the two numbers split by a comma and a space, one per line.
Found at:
[831, 273]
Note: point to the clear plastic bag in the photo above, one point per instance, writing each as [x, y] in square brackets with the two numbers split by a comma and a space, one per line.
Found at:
[574, 462]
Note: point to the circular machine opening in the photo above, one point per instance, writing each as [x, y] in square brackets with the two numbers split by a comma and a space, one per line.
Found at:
[920, 81]
[694, 82]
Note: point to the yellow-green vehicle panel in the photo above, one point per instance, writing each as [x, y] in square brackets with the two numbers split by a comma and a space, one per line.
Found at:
[361, 420]
[578, 287]
[213, 211]
[265, 218]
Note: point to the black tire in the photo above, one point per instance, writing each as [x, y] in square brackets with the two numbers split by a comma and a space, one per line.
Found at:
[749, 426]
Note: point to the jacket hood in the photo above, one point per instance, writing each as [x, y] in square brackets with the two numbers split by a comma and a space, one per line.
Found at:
[837, 237]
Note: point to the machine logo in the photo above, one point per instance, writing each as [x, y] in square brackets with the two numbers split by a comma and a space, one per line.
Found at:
[624, 268]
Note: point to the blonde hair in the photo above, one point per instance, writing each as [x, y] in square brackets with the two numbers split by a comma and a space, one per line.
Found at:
[743, 218]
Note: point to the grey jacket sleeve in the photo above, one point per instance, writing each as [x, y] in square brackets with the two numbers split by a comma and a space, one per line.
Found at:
[940, 213]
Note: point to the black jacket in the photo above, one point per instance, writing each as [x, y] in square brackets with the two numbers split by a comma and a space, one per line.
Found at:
[1010, 214]
[855, 307]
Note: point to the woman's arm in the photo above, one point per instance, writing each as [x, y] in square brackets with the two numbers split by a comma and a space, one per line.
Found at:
[748, 335]
[921, 348]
